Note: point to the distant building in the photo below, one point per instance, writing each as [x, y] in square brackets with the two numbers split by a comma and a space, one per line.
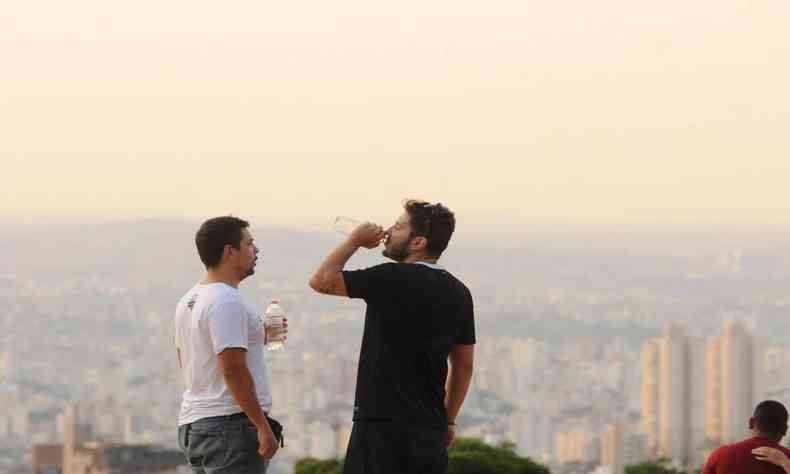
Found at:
[730, 392]
[48, 459]
[666, 395]
[576, 447]
[613, 448]
[621, 446]
[80, 455]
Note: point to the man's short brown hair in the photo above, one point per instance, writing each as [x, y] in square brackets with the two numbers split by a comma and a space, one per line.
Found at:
[433, 221]
[215, 234]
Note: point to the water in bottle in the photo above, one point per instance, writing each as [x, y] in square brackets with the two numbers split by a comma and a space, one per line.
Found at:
[275, 316]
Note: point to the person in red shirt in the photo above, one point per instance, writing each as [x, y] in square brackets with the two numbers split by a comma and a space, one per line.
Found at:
[768, 425]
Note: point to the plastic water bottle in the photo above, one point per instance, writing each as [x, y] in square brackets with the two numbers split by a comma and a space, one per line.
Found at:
[274, 320]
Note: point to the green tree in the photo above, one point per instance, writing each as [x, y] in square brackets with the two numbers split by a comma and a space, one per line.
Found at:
[653, 467]
[472, 456]
[318, 466]
[467, 456]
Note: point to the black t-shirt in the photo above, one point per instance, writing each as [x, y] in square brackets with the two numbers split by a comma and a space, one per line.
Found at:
[415, 315]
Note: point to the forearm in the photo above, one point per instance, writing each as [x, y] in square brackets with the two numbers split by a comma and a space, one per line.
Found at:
[458, 382]
[334, 263]
[242, 387]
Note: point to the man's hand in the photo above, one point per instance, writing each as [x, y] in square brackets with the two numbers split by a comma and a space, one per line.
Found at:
[773, 456]
[267, 443]
[368, 235]
[450, 435]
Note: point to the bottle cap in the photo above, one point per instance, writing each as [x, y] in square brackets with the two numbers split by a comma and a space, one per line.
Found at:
[275, 301]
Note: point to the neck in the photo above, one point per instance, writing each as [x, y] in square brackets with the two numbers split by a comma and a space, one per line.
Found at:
[220, 275]
[773, 438]
[420, 258]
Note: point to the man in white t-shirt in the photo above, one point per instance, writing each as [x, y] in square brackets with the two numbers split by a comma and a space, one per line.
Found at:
[223, 426]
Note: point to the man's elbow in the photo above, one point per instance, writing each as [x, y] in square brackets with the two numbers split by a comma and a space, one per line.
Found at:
[327, 283]
[316, 284]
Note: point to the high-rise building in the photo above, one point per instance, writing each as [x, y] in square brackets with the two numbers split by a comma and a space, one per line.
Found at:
[666, 395]
[575, 446]
[651, 351]
[730, 392]
[612, 448]
[713, 389]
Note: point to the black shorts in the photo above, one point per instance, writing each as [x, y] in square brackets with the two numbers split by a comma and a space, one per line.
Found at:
[391, 448]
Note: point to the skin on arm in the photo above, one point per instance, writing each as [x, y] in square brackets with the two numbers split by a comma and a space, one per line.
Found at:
[773, 456]
[459, 378]
[328, 279]
[233, 366]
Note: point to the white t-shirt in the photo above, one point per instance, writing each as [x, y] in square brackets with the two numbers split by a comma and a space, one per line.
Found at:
[209, 319]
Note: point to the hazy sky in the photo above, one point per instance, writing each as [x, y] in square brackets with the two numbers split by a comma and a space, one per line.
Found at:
[606, 111]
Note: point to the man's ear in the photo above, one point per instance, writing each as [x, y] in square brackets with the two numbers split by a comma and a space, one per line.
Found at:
[228, 250]
[751, 423]
[419, 243]
[784, 430]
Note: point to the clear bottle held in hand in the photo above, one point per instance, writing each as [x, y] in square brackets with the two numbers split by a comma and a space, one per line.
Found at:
[275, 322]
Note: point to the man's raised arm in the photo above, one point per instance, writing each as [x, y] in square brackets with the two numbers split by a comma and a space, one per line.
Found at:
[328, 279]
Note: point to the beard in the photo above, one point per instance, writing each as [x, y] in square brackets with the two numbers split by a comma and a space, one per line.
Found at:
[397, 252]
[250, 271]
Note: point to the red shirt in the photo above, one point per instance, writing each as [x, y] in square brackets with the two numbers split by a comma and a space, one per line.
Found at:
[738, 458]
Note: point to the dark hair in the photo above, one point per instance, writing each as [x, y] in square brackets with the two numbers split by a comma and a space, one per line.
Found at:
[433, 221]
[215, 234]
[771, 418]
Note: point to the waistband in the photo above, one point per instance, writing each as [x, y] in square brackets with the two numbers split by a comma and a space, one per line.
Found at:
[234, 416]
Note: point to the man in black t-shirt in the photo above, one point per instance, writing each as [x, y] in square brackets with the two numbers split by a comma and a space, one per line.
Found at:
[418, 317]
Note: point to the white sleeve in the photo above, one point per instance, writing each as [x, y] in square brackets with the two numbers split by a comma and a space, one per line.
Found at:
[228, 326]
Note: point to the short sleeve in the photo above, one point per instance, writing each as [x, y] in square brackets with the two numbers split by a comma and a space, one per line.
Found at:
[370, 283]
[467, 334]
[228, 326]
[713, 461]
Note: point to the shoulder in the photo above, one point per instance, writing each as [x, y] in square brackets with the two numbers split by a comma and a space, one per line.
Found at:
[382, 269]
[221, 300]
[461, 287]
[720, 451]
[190, 294]
[222, 294]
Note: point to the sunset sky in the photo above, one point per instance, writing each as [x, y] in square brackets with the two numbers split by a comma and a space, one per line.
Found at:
[293, 112]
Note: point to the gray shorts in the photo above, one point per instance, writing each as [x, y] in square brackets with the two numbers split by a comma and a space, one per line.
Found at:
[222, 445]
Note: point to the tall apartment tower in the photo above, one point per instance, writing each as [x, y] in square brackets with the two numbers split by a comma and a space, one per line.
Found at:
[651, 351]
[731, 384]
[666, 395]
[612, 448]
